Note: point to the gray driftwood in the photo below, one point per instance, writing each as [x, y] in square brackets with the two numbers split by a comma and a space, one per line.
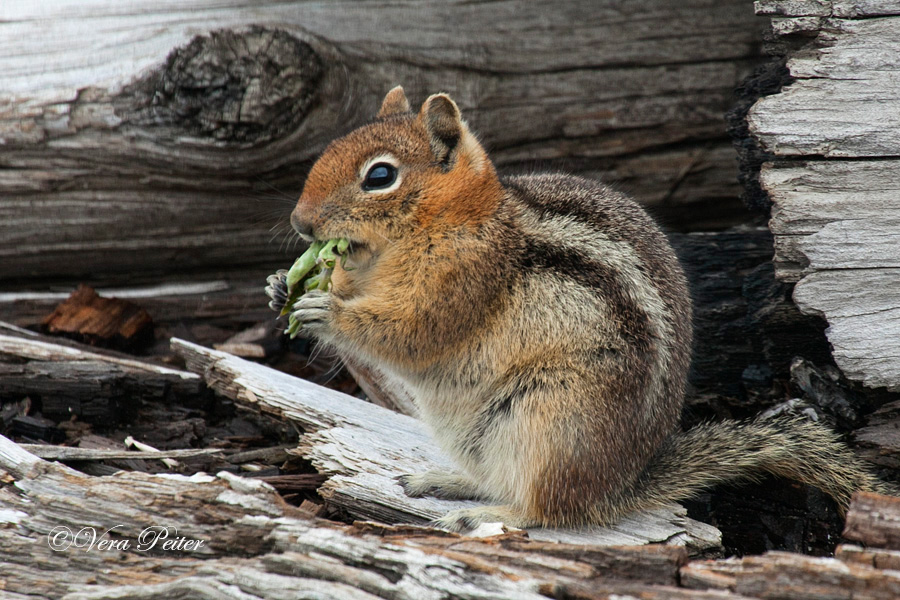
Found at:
[832, 137]
[146, 136]
[255, 546]
[363, 447]
[67, 454]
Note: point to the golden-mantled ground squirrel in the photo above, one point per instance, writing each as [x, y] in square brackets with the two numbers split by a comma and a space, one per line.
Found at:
[542, 323]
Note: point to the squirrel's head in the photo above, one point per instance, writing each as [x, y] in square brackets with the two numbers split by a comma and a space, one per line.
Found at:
[402, 173]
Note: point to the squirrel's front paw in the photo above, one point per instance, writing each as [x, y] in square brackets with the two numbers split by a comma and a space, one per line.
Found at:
[314, 311]
[277, 290]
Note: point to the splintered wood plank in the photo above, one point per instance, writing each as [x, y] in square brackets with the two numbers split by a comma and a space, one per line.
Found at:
[364, 447]
[832, 138]
[863, 311]
[843, 101]
[808, 195]
[66, 453]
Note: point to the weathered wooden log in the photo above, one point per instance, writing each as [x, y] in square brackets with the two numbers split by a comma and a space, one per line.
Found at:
[796, 577]
[225, 536]
[70, 381]
[229, 537]
[215, 537]
[363, 448]
[144, 139]
[832, 137]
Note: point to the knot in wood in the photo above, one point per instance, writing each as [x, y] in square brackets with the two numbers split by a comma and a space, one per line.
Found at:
[236, 86]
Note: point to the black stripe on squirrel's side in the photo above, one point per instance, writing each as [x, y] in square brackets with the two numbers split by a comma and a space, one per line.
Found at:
[542, 324]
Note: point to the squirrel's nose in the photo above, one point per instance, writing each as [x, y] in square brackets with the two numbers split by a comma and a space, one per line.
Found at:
[302, 227]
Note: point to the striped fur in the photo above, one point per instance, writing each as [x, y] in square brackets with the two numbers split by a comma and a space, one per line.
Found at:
[543, 324]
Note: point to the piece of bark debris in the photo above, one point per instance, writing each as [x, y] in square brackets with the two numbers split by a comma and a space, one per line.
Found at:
[300, 482]
[313, 508]
[826, 389]
[105, 322]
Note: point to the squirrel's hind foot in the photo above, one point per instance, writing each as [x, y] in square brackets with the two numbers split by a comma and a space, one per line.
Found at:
[467, 519]
[440, 484]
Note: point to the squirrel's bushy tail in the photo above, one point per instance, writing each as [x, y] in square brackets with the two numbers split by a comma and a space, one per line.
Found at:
[736, 451]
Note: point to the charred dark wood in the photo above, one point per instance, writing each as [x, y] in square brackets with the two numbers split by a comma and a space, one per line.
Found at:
[743, 318]
[879, 439]
[37, 428]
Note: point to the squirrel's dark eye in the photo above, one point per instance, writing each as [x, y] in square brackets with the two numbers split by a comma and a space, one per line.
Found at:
[380, 176]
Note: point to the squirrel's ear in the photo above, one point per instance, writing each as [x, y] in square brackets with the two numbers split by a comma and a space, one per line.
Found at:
[442, 121]
[394, 103]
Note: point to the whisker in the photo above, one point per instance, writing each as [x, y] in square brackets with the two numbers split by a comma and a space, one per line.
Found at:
[335, 369]
[287, 240]
[314, 354]
[281, 194]
[279, 231]
[386, 238]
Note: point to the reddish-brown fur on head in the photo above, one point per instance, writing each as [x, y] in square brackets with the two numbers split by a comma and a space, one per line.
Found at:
[445, 177]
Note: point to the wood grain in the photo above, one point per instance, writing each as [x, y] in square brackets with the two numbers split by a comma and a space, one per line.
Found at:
[257, 546]
[832, 136]
[151, 137]
[874, 520]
